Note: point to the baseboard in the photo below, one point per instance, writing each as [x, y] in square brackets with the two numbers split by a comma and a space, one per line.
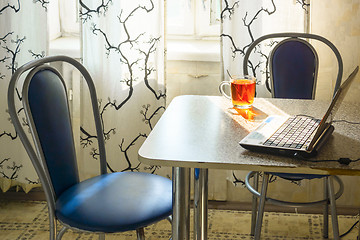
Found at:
[38, 195]
[246, 206]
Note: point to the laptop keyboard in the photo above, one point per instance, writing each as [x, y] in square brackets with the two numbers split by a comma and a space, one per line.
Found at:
[294, 133]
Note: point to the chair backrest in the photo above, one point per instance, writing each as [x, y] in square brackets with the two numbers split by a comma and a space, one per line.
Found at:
[46, 107]
[294, 59]
[293, 69]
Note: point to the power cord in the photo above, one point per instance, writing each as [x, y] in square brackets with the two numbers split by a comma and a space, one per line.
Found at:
[350, 229]
[344, 161]
[345, 121]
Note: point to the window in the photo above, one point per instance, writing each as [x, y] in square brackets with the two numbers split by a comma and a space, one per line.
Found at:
[196, 19]
[188, 23]
[64, 28]
[63, 19]
[185, 18]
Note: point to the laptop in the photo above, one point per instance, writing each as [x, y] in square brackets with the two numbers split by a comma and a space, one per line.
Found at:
[299, 135]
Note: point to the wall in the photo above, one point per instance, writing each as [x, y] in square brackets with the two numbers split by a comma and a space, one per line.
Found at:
[192, 67]
[192, 78]
[339, 22]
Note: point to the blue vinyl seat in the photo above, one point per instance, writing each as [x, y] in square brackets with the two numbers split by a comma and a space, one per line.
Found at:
[293, 74]
[110, 202]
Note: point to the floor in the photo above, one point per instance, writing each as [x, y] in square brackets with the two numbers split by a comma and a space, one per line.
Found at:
[28, 220]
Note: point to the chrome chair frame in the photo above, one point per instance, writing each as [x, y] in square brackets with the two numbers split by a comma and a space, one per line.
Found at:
[35, 156]
[298, 35]
[329, 195]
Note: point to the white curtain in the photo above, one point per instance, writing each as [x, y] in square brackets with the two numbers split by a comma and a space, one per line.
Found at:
[23, 37]
[123, 48]
[243, 22]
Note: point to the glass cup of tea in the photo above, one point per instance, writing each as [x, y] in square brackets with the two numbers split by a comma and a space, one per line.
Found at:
[242, 91]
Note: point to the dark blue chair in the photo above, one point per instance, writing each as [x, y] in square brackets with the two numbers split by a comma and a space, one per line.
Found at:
[110, 202]
[293, 74]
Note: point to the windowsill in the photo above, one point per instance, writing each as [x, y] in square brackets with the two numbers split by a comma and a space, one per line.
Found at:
[193, 50]
[69, 46]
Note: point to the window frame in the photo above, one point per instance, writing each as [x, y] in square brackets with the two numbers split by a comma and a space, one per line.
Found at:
[199, 22]
[63, 20]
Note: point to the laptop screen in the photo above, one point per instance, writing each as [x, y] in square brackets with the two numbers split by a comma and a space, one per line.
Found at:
[334, 106]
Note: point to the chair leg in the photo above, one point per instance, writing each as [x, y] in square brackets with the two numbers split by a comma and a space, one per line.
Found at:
[260, 213]
[52, 226]
[101, 236]
[61, 233]
[333, 208]
[358, 237]
[140, 234]
[326, 210]
[254, 203]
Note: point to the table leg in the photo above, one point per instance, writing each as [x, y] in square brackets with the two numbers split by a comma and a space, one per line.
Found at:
[333, 208]
[326, 210]
[254, 204]
[200, 203]
[181, 204]
[358, 226]
[260, 212]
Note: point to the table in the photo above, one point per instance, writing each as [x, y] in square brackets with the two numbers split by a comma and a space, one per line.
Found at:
[203, 132]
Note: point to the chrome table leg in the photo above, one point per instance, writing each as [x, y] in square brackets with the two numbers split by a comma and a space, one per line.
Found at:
[200, 203]
[254, 205]
[326, 210]
[333, 208]
[181, 203]
[260, 213]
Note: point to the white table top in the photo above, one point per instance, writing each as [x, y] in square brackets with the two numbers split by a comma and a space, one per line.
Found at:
[204, 132]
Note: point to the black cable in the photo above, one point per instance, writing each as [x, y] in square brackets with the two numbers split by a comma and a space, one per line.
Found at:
[348, 231]
[345, 121]
[345, 161]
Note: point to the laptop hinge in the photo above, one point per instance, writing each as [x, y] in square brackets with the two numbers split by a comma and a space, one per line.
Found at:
[322, 139]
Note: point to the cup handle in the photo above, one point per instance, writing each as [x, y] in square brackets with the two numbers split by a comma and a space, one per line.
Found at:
[221, 89]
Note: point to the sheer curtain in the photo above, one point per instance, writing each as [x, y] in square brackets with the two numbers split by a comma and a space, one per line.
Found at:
[123, 48]
[242, 23]
[23, 37]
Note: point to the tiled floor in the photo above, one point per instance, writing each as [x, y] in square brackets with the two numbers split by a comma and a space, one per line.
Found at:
[28, 220]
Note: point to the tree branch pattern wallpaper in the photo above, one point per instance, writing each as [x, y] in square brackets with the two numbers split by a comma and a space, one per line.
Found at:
[20, 42]
[128, 70]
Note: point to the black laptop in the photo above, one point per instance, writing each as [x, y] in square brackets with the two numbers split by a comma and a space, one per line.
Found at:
[296, 135]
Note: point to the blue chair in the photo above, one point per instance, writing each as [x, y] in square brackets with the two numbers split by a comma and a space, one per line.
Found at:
[293, 74]
[110, 202]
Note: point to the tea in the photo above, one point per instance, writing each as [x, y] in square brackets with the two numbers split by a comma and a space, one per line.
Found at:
[242, 93]
[242, 90]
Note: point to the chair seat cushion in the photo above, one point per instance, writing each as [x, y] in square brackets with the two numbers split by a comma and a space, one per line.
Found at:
[297, 176]
[116, 202]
